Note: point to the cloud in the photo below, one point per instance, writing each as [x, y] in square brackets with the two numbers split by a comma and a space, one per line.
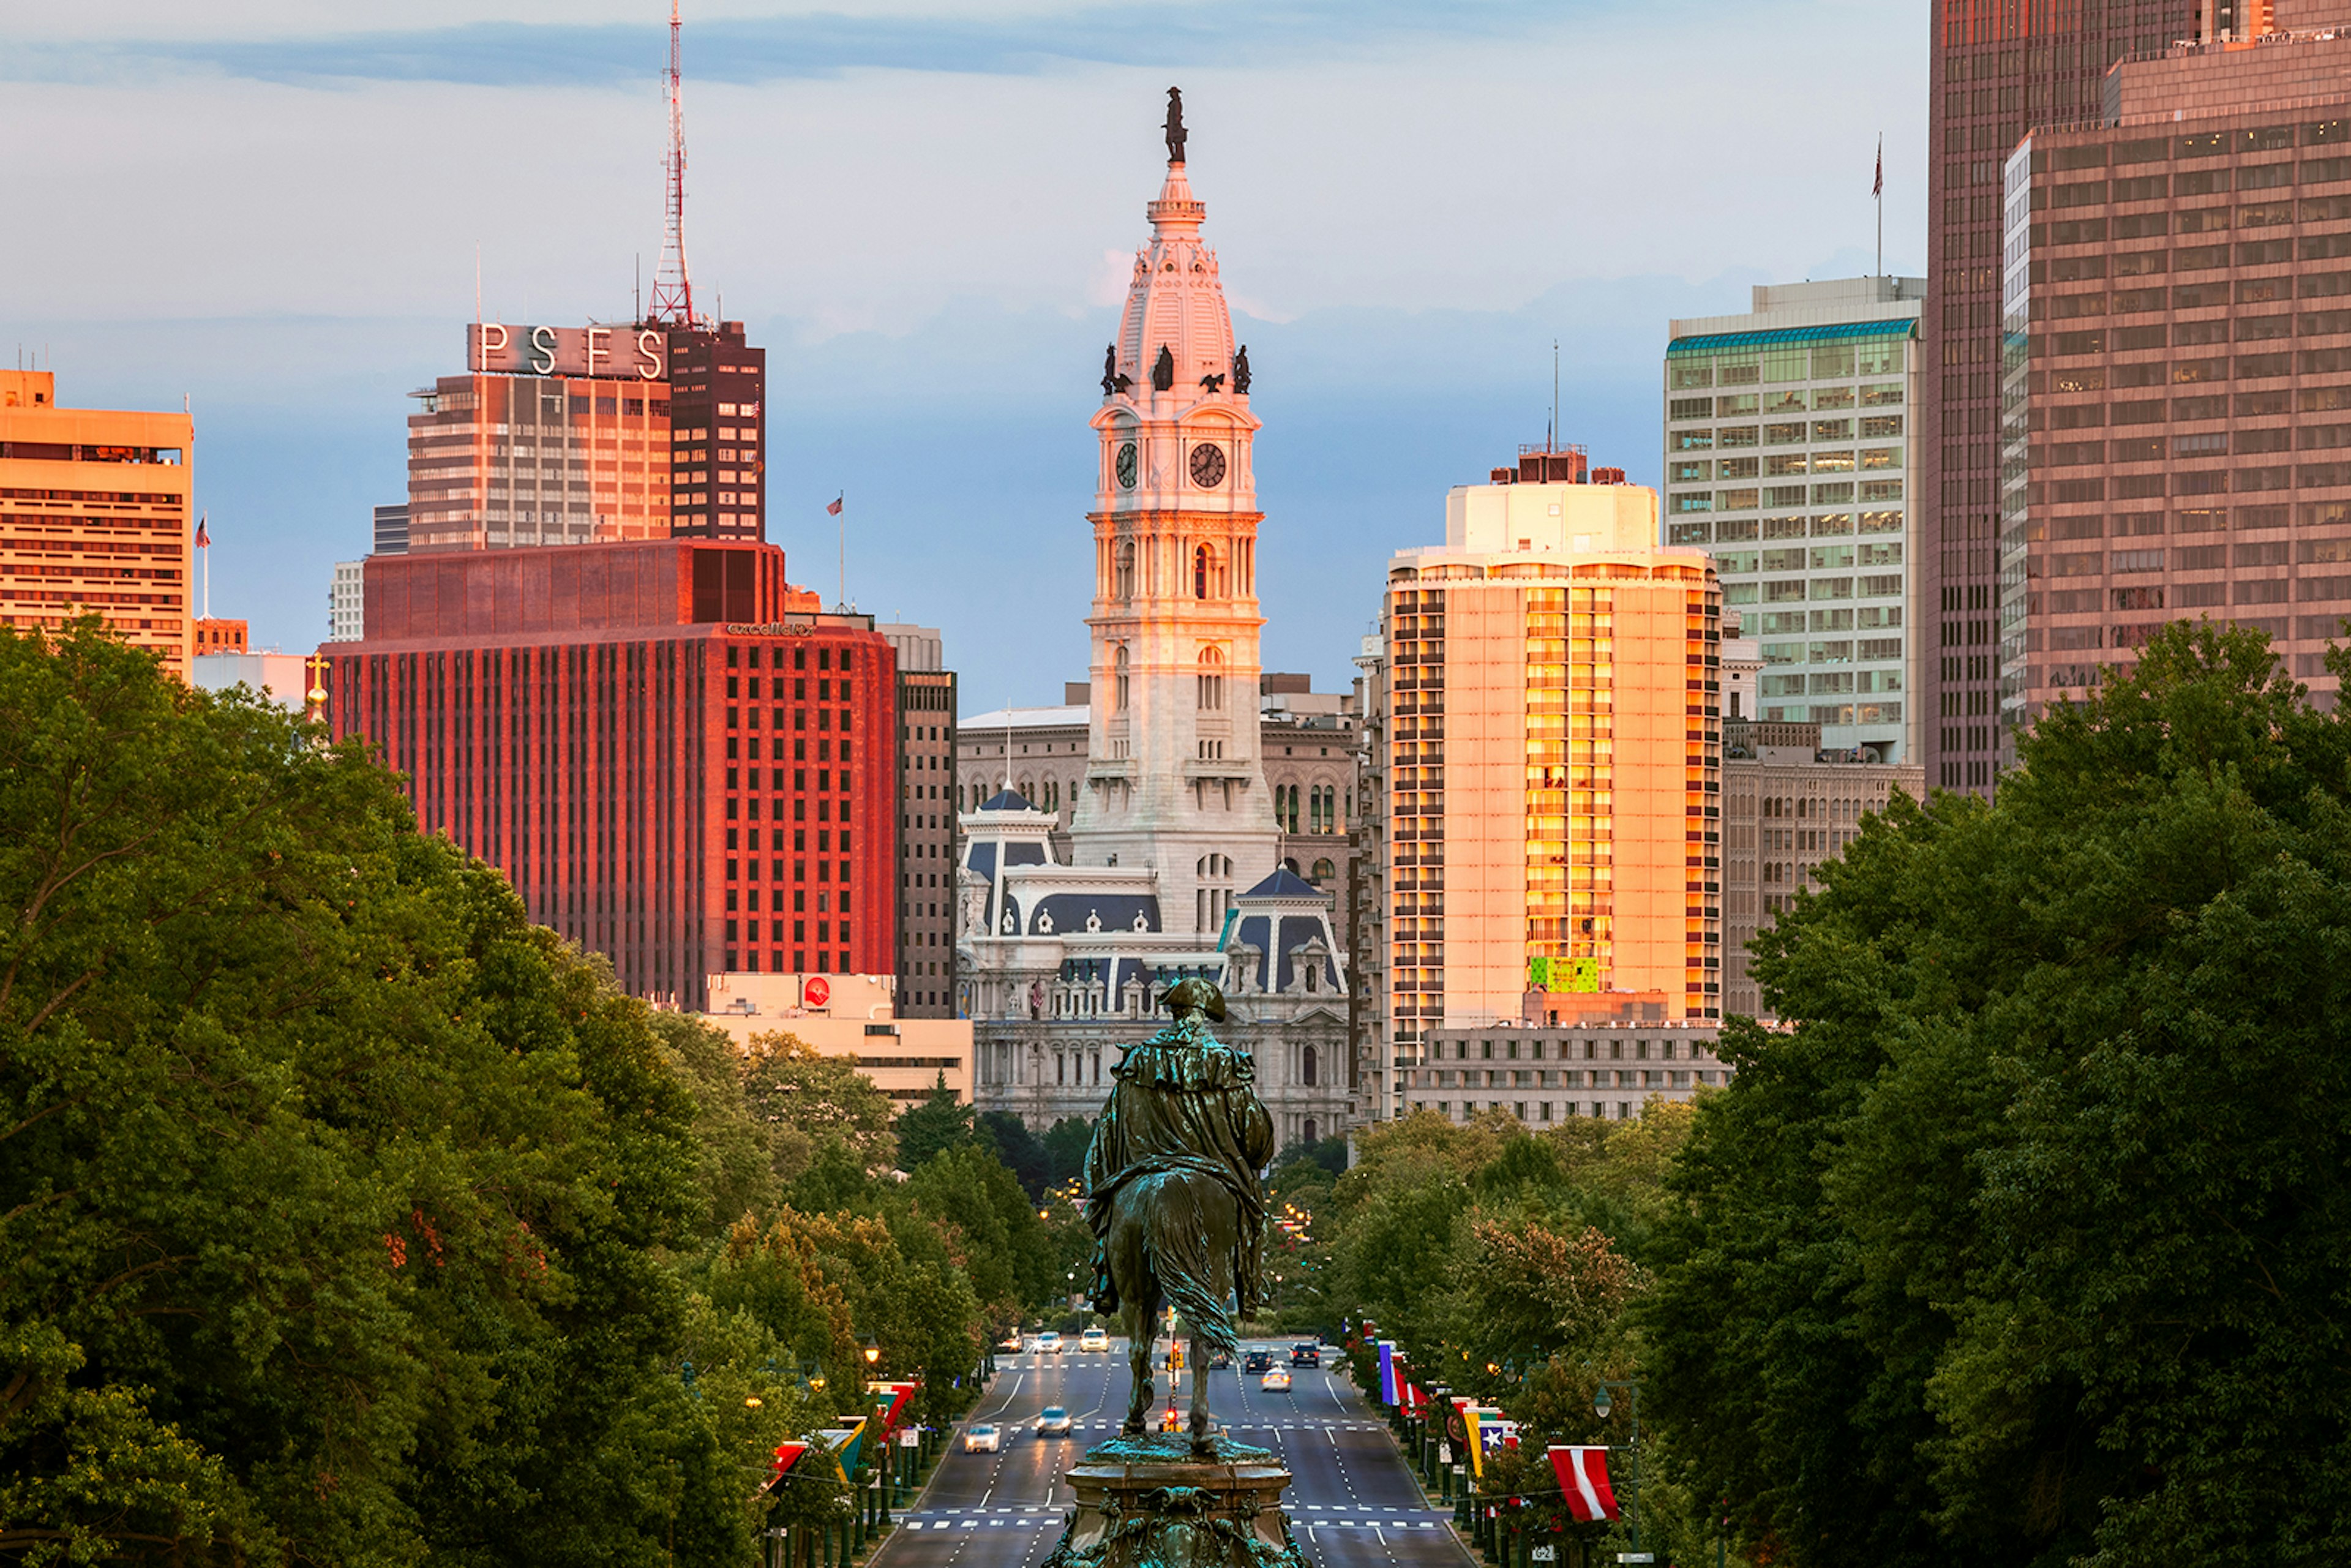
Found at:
[754, 49]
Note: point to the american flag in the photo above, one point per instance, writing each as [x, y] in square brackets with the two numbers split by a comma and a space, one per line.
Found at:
[1877, 186]
[203, 535]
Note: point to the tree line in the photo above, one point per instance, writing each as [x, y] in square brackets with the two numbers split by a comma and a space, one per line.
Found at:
[348, 1216]
[2022, 1242]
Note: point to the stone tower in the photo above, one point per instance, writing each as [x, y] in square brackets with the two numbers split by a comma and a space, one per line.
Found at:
[1173, 776]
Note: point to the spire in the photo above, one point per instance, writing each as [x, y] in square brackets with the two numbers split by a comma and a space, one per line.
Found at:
[672, 299]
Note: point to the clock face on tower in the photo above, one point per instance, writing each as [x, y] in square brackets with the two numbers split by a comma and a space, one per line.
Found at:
[1207, 465]
[1126, 466]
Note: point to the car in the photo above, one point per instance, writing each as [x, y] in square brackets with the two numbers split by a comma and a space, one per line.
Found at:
[1257, 1361]
[1306, 1352]
[1275, 1381]
[1220, 1360]
[1053, 1422]
[1093, 1339]
[984, 1439]
[1010, 1342]
[1049, 1344]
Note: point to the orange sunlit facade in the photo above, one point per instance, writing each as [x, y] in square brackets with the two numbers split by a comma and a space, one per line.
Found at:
[94, 517]
[1554, 764]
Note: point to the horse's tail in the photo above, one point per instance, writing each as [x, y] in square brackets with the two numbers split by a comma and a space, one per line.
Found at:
[1179, 1238]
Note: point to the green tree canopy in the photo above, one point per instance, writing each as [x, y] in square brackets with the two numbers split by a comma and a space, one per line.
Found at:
[2028, 1244]
[328, 1185]
[933, 1127]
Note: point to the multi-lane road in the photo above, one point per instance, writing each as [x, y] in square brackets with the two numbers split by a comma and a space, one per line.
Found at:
[1351, 1499]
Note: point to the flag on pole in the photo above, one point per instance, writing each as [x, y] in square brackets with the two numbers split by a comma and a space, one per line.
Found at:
[1877, 185]
[1388, 1372]
[1583, 1478]
[203, 535]
[833, 507]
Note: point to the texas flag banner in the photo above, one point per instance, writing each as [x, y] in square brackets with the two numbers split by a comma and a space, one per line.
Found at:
[1388, 1372]
[1583, 1478]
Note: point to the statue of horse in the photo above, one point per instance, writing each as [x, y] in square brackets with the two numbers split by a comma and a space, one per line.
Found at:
[1173, 1194]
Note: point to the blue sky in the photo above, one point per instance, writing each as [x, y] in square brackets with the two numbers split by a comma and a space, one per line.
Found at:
[925, 213]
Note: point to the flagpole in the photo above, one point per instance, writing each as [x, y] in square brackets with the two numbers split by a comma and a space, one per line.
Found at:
[1879, 189]
[843, 501]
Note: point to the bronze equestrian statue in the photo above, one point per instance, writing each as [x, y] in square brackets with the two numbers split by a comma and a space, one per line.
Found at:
[1173, 1194]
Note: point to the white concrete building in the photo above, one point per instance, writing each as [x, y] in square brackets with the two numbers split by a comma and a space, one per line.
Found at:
[1149, 850]
[1791, 451]
[347, 603]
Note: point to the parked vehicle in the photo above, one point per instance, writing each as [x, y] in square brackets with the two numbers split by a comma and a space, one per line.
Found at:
[983, 1439]
[1093, 1339]
[1053, 1422]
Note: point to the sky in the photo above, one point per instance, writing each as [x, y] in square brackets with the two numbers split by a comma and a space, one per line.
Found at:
[926, 212]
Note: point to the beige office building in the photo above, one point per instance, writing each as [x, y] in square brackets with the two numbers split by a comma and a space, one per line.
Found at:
[851, 1016]
[95, 518]
[1553, 762]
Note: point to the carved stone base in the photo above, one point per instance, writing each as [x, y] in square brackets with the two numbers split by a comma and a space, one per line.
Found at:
[1154, 1503]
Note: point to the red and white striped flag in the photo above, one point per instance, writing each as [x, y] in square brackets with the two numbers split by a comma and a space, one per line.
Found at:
[1877, 185]
[1583, 1478]
[204, 533]
[833, 507]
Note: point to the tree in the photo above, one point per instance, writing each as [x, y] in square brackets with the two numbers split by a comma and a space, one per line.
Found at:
[331, 1190]
[733, 1151]
[2026, 1245]
[938, 1124]
[818, 1110]
[1067, 1141]
[1019, 1149]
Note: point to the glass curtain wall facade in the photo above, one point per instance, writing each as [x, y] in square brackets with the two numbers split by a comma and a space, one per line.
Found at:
[1996, 68]
[1788, 454]
[2177, 388]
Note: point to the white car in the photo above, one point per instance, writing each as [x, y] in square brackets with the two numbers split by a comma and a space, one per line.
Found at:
[1276, 1381]
[1093, 1339]
[983, 1439]
[1049, 1342]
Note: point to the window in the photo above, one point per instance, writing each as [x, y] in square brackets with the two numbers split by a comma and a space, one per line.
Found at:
[1306, 1075]
[1124, 585]
[1212, 680]
[1121, 683]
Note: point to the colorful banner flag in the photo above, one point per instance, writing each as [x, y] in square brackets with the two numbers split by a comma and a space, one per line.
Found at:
[1583, 1478]
[890, 1396]
[1388, 1372]
[843, 1443]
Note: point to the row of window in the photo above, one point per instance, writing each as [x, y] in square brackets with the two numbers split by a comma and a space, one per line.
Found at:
[1791, 400]
[1877, 428]
[1767, 364]
[1668, 1049]
[1786, 465]
[1833, 653]
[827, 963]
[1865, 492]
[1543, 1110]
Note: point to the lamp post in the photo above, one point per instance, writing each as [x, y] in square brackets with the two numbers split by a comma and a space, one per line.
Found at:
[1601, 1405]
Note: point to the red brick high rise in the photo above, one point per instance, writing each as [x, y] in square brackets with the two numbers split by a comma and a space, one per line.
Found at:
[674, 756]
[1997, 68]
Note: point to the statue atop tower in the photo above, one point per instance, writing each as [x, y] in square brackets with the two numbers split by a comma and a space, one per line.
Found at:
[1174, 125]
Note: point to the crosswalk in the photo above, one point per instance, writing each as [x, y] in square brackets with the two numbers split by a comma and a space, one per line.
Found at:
[1236, 1427]
[1314, 1515]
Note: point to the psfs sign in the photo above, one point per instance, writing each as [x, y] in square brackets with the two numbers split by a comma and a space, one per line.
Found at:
[616, 353]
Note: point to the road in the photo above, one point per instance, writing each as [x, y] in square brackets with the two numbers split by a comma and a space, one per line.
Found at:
[1351, 1499]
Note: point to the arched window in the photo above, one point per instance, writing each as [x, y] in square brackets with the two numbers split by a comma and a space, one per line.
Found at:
[1029, 789]
[1200, 572]
[1310, 1120]
[1306, 1072]
[1212, 680]
[1323, 872]
[1121, 682]
[1052, 795]
[1124, 582]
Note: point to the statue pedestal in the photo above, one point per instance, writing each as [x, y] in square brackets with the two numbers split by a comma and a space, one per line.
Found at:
[1153, 1502]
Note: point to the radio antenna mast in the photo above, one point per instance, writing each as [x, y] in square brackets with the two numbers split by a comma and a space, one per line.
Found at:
[672, 299]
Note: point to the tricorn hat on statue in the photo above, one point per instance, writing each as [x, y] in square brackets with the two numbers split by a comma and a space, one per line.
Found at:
[1195, 994]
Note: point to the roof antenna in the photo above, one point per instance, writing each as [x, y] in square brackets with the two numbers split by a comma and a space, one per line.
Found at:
[672, 299]
[1554, 395]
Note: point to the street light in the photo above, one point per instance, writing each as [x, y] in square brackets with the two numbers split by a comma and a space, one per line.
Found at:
[1601, 1405]
[872, 1350]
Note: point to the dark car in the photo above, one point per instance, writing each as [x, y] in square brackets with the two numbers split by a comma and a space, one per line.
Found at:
[1305, 1352]
[1258, 1361]
[1221, 1361]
